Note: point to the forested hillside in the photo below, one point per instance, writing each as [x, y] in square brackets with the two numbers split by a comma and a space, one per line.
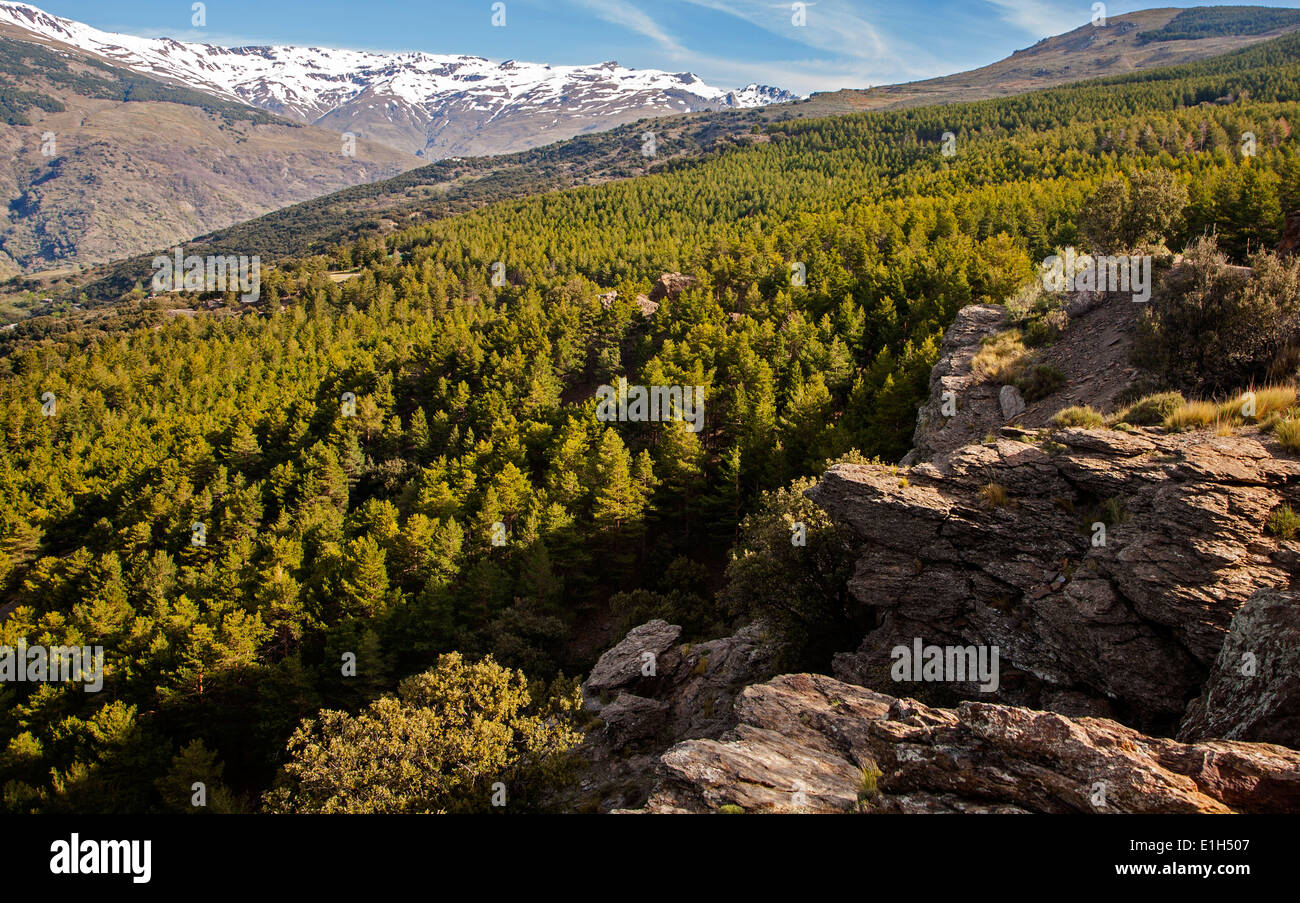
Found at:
[351, 444]
[461, 184]
[1196, 23]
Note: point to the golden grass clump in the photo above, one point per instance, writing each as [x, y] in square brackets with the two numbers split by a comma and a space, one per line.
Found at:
[994, 495]
[1263, 402]
[1083, 416]
[1002, 358]
[1193, 415]
[1287, 432]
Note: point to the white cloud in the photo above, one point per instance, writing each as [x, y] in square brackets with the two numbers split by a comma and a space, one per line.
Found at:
[621, 12]
[852, 52]
[804, 76]
[832, 25]
[1044, 18]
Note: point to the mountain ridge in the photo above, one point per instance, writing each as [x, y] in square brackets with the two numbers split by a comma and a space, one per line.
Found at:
[1123, 44]
[89, 180]
[432, 105]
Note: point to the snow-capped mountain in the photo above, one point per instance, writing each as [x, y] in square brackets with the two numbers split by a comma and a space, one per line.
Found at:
[432, 104]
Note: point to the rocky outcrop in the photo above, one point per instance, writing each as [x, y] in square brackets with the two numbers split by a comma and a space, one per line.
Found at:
[1254, 690]
[1116, 583]
[810, 743]
[1092, 354]
[1106, 567]
[670, 285]
[649, 691]
[962, 406]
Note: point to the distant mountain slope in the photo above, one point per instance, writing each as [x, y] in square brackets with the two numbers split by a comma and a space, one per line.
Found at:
[428, 104]
[1140, 40]
[451, 187]
[1218, 21]
[103, 163]
[1118, 48]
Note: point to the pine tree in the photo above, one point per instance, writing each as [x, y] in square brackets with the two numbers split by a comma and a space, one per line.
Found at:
[618, 499]
[363, 585]
[417, 435]
[243, 451]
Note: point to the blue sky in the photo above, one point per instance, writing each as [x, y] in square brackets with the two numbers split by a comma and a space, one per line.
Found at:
[729, 43]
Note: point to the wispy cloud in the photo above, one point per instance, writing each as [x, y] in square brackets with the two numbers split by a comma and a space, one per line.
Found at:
[850, 50]
[831, 25]
[1043, 18]
[189, 35]
[621, 12]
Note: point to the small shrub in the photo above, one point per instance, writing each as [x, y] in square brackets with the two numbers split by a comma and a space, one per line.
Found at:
[1038, 333]
[1140, 388]
[1284, 523]
[994, 495]
[868, 785]
[1288, 433]
[1192, 415]
[1039, 381]
[1083, 416]
[1112, 511]
[1151, 410]
[730, 809]
[1042, 326]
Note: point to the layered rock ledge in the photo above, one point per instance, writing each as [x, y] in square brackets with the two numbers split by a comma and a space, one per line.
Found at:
[1105, 566]
[810, 743]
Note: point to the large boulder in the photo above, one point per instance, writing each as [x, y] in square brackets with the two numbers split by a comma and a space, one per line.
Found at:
[1254, 690]
[809, 743]
[631, 664]
[1011, 401]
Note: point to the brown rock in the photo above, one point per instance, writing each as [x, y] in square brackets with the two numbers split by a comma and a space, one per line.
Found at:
[1135, 624]
[1290, 242]
[1254, 690]
[631, 664]
[807, 742]
[670, 285]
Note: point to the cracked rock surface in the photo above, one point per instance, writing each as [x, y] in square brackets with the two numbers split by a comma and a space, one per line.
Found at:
[804, 741]
[1105, 566]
